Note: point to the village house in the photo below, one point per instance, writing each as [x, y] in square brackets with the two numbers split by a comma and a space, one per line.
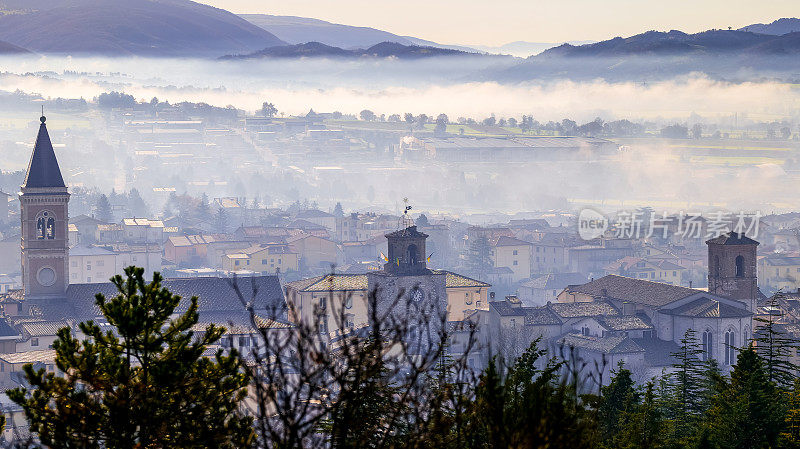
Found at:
[657, 270]
[544, 288]
[92, 264]
[779, 273]
[642, 321]
[514, 254]
[187, 250]
[264, 258]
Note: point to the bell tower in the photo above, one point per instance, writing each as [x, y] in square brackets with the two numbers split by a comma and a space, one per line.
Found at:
[44, 215]
[732, 267]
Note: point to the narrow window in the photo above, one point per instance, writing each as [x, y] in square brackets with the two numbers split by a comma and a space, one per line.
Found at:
[730, 348]
[708, 345]
[739, 266]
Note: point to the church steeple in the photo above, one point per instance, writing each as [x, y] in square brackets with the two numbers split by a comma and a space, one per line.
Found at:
[43, 170]
[44, 214]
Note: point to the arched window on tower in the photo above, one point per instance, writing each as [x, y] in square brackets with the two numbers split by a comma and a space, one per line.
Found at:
[45, 226]
[716, 266]
[412, 254]
[739, 266]
[730, 348]
[708, 345]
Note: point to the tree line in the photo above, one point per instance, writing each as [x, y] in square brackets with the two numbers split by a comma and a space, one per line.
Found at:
[150, 376]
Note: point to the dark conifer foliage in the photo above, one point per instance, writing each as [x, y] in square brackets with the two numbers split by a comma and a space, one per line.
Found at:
[141, 380]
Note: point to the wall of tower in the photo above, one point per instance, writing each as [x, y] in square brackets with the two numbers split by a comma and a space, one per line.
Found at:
[45, 261]
[722, 278]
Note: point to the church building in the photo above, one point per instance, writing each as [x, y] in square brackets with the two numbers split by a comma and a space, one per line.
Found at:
[405, 284]
[48, 296]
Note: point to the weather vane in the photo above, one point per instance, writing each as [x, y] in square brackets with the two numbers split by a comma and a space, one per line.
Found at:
[405, 221]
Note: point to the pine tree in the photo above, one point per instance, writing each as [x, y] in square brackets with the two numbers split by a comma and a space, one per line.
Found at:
[529, 407]
[338, 212]
[136, 205]
[684, 397]
[145, 383]
[221, 221]
[616, 400]
[791, 433]
[204, 208]
[642, 426]
[776, 348]
[103, 209]
[747, 410]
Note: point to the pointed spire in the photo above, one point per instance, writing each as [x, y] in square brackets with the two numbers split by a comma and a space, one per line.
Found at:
[43, 170]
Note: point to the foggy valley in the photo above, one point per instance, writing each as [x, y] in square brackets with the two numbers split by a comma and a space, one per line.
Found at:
[441, 225]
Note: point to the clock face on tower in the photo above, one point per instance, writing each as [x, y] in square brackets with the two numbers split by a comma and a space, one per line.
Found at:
[46, 277]
[418, 295]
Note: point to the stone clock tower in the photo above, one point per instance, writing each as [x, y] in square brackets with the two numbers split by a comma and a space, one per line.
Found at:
[407, 289]
[732, 268]
[44, 215]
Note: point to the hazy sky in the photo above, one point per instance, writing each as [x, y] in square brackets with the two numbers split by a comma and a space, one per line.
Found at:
[497, 22]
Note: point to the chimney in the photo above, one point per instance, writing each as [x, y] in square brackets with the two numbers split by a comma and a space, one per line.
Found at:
[690, 284]
[514, 301]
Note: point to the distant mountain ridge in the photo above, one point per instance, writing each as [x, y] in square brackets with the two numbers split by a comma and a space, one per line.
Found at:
[320, 50]
[523, 49]
[299, 30]
[776, 28]
[654, 43]
[179, 28]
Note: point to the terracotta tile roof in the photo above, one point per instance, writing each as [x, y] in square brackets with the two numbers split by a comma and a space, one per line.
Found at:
[709, 308]
[457, 280]
[214, 294]
[638, 291]
[45, 355]
[333, 282]
[42, 328]
[607, 345]
[510, 241]
[625, 322]
[354, 282]
[583, 309]
[554, 281]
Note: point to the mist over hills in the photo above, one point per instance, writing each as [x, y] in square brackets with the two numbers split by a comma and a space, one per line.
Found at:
[381, 50]
[175, 28]
[185, 29]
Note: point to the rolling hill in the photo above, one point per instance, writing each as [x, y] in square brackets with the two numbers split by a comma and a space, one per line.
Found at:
[175, 28]
[674, 42]
[381, 50]
[11, 49]
[722, 54]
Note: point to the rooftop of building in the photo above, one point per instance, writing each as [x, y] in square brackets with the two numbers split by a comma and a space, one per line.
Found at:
[638, 291]
[732, 238]
[606, 345]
